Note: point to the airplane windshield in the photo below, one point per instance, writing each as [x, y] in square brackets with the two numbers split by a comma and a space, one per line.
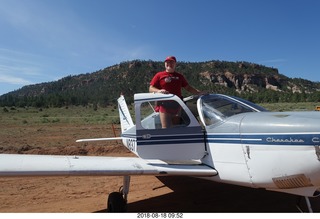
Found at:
[215, 108]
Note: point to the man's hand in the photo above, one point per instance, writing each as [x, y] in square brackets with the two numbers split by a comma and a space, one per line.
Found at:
[162, 91]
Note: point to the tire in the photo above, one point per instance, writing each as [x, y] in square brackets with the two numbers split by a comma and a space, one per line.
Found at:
[116, 203]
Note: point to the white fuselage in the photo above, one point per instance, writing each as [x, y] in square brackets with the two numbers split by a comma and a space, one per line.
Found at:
[267, 150]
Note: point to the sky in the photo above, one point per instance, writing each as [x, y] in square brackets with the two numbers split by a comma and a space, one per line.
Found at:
[46, 40]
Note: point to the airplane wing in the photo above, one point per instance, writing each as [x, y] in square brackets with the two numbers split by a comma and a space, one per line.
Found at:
[52, 165]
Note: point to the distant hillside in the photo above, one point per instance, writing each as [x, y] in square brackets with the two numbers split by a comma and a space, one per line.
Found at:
[254, 82]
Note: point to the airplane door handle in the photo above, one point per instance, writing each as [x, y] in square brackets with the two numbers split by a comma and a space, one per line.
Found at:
[146, 136]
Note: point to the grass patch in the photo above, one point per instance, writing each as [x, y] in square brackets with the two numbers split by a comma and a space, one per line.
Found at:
[70, 115]
[303, 106]
[88, 115]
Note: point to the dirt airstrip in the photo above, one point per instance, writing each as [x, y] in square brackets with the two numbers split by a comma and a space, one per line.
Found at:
[147, 193]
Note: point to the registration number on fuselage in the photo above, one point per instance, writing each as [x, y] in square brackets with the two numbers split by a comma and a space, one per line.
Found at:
[131, 144]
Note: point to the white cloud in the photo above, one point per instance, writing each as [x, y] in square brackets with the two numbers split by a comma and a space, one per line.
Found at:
[65, 32]
[18, 68]
[47, 40]
[13, 80]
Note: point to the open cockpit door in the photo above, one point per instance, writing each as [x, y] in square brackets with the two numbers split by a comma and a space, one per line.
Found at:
[183, 141]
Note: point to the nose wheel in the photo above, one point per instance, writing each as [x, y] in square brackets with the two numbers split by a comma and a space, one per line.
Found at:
[117, 201]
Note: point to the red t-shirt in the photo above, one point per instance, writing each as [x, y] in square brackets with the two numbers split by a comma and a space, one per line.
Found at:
[172, 82]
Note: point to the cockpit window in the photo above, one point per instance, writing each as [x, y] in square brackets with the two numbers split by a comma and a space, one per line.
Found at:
[150, 117]
[215, 108]
[252, 105]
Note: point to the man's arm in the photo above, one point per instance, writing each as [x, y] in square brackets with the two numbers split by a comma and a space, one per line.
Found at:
[153, 89]
[192, 90]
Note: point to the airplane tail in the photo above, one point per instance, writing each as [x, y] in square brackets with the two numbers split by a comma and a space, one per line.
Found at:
[125, 121]
[124, 114]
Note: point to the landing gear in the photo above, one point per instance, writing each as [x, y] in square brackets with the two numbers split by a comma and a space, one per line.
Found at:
[307, 203]
[117, 201]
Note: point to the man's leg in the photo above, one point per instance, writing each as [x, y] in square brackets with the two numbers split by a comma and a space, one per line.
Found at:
[166, 120]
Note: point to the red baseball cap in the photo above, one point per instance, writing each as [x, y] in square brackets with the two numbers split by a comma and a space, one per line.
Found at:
[171, 58]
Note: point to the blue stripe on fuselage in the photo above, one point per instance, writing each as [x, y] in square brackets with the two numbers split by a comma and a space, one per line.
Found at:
[266, 139]
[256, 139]
[170, 139]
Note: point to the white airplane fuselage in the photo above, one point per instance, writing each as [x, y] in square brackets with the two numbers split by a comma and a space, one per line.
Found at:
[270, 152]
[273, 150]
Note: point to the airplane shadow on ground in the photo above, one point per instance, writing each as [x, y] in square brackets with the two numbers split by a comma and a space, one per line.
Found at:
[198, 195]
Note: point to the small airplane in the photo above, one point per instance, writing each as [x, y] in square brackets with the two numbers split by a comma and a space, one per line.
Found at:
[218, 137]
